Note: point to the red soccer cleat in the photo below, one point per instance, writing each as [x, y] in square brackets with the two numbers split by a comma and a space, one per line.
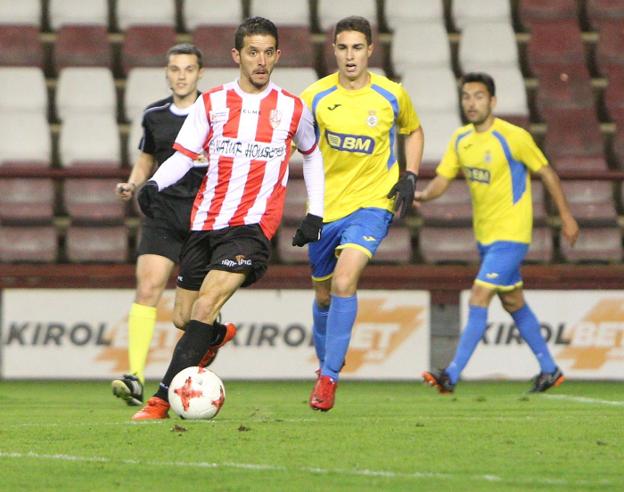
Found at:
[156, 408]
[211, 353]
[323, 394]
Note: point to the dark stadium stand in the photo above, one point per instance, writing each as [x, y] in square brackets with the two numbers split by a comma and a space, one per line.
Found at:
[63, 147]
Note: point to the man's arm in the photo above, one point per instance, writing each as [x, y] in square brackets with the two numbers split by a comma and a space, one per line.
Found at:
[569, 227]
[403, 189]
[413, 145]
[434, 189]
[141, 171]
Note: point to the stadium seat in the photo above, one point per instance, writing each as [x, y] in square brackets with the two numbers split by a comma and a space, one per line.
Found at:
[297, 13]
[296, 202]
[296, 46]
[92, 200]
[82, 46]
[28, 244]
[465, 12]
[600, 244]
[24, 12]
[614, 97]
[609, 54]
[26, 200]
[216, 43]
[146, 46]
[329, 12]
[92, 244]
[329, 59]
[602, 12]
[286, 252]
[294, 80]
[573, 133]
[431, 89]
[90, 141]
[447, 245]
[511, 97]
[618, 147]
[420, 45]
[214, 77]
[86, 90]
[25, 138]
[145, 13]
[533, 12]
[197, 13]
[72, 12]
[564, 88]
[412, 11]
[144, 86]
[541, 248]
[487, 45]
[396, 247]
[23, 80]
[453, 208]
[539, 202]
[21, 46]
[591, 202]
[438, 127]
[555, 43]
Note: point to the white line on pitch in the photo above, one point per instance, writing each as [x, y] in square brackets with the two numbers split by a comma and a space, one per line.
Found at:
[584, 399]
[322, 471]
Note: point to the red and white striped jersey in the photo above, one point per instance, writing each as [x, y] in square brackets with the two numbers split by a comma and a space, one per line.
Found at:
[246, 139]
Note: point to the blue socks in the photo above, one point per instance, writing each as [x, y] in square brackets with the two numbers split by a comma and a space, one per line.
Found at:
[319, 330]
[474, 330]
[340, 320]
[529, 329]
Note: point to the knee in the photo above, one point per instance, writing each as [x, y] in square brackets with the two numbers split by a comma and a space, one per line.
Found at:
[148, 292]
[206, 308]
[323, 299]
[180, 319]
[511, 305]
[343, 285]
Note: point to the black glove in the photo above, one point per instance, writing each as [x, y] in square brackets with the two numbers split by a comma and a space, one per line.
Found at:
[404, 189]
[146, 197]
[308, 231]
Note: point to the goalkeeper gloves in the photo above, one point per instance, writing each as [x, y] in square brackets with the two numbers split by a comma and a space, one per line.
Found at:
[403, 189]
[308, 231]
[146, 197]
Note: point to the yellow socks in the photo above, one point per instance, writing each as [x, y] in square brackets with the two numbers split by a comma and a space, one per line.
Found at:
[141, 321]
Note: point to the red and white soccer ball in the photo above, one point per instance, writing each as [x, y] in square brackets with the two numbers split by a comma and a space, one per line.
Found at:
[196, 393]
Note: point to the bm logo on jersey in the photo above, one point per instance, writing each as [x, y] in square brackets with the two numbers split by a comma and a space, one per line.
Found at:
[350, 143]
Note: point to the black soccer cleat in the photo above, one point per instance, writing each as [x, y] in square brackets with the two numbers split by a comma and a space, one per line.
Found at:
[545, 380]
[440, 380]
[129, 388]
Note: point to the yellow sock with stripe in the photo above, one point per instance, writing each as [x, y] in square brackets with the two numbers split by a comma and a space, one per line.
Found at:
[141, 321]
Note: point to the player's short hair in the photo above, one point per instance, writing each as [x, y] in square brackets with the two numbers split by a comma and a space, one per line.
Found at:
[354, 23]
[186, 49]
[482, 77]
[252, 26]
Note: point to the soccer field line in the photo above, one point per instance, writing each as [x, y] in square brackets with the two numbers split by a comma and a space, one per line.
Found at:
[314, 470]
[584, 399]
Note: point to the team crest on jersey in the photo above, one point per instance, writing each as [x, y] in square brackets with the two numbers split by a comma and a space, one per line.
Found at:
[275, 117]
[372, 119]
[219, 116]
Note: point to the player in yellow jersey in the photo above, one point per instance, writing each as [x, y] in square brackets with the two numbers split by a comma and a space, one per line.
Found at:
[497, 159]
[358, 115]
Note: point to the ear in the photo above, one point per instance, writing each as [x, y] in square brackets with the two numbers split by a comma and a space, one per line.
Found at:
[493, 102]
[370, 49]
[236, 56]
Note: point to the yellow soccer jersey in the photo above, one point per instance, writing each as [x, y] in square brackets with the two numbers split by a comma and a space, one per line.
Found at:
[496, 164]
[357, 132]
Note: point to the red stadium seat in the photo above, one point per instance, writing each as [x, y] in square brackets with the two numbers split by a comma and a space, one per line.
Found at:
[396, 246]
[541, 248]
[20, 46]
[605, 11]
[92, 200]
[555, 43]
[82, 46]
[448, 245]
[532, 12]
[602, 244]
[452, 208]
[573, 133]
[288, 253]
[216, 44]
[614, 97]
[591, 202]
[539, 202]
[32, 244]
[26, 200]
[563, 88]
[296, 45]
[618, 146]
[97, 244]
[610, 48]
[145, 46]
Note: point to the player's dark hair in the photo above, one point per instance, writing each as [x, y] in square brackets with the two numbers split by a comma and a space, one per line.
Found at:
[186, 49]
[252, 26]
[354, 23]
[482, 77]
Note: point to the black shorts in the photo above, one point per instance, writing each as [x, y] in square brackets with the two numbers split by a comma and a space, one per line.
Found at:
[166, 233]
[240, 249]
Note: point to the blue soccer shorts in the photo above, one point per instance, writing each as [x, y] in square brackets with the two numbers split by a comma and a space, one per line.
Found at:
[364, 229]
[500, 265]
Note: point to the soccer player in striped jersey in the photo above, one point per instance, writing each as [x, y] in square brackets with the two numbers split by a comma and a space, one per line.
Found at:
[358, 115]
[244, 129]
[497, 159]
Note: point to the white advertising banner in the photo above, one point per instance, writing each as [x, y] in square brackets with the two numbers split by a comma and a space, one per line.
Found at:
[584, 330]
[82, 334]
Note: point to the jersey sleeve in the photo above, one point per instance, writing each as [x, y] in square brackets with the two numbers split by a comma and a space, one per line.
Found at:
[408, 120]
[147, 144]
[449, 165]
[192, 135]
[305, 137]
[529, 153]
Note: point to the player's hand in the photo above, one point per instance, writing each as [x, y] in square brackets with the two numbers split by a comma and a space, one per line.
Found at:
[125, 190]
[403, 190]
[146, 197]
[308, 231]
[569, 229]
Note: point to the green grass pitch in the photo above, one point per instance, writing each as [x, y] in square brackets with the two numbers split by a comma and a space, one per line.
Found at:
[380, 436]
